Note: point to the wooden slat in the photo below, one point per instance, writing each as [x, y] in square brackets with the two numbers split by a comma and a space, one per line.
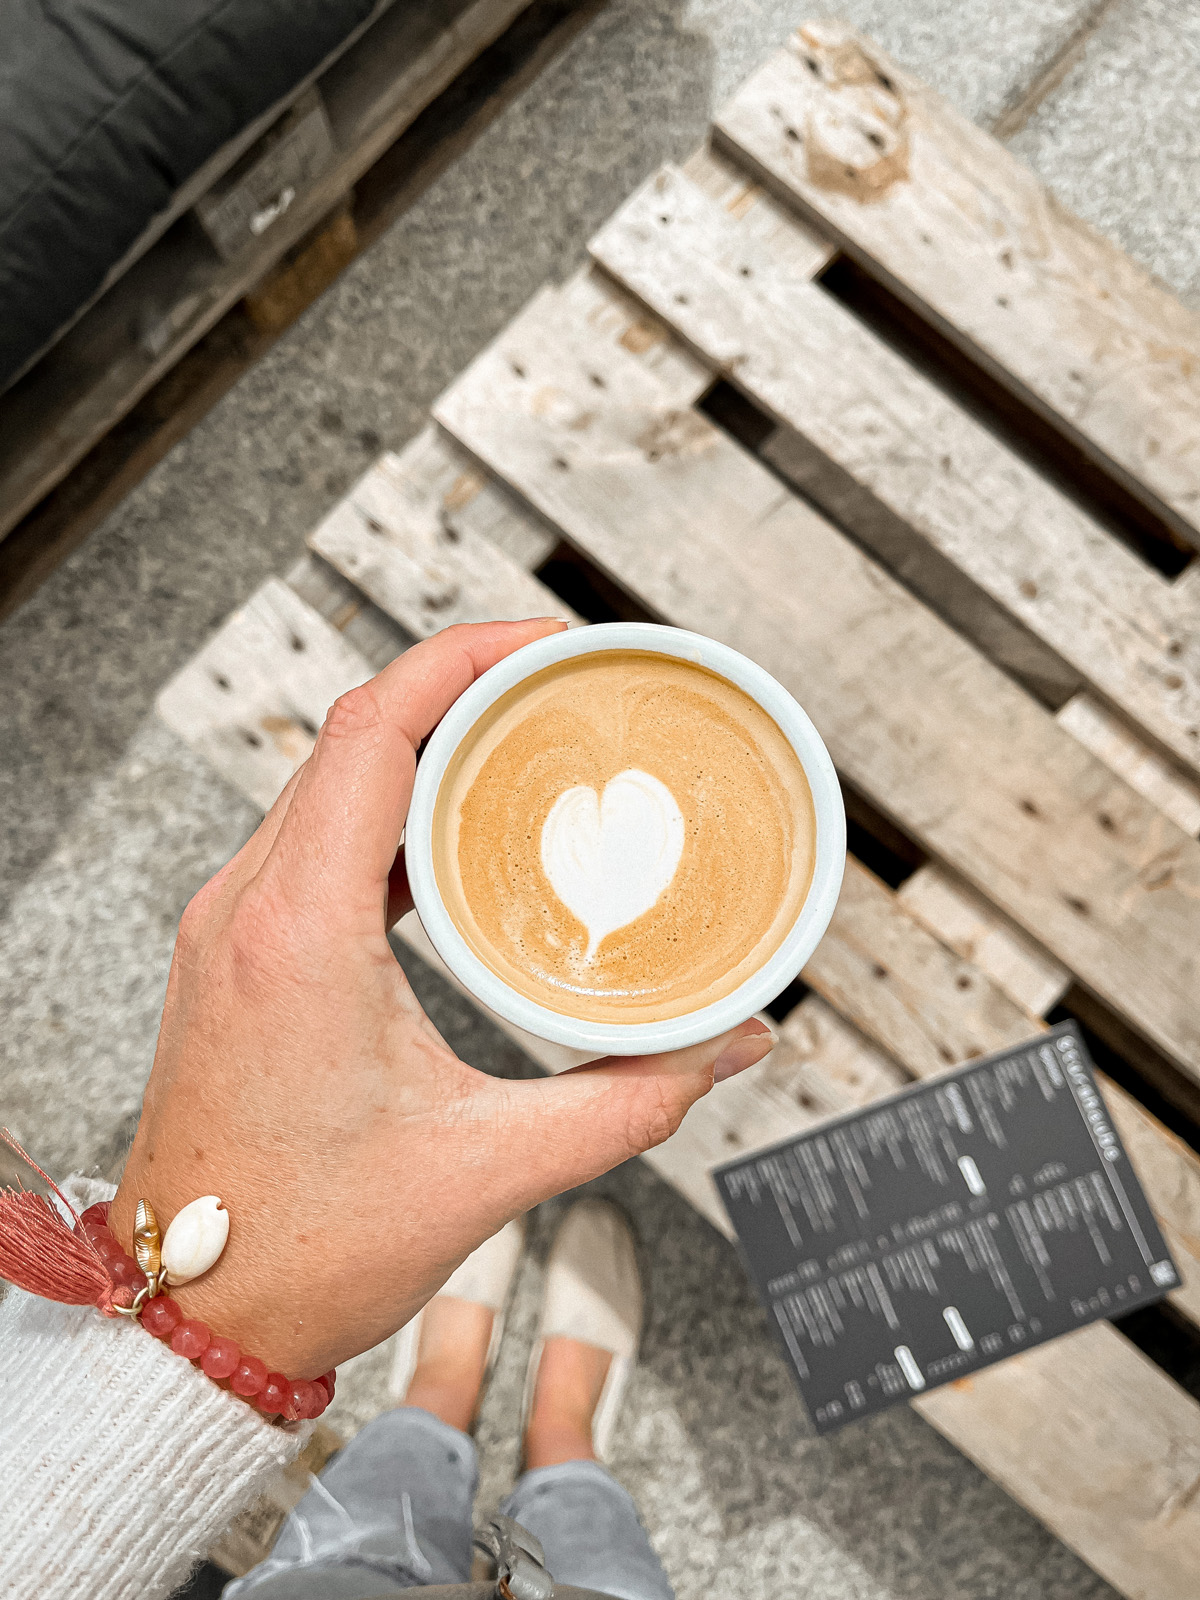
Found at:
[946, 744]
[253, 699]
[1120, 1486]
[944, 503]
[968, 925]
[1176, 794]
[401, 536]
[948, 219]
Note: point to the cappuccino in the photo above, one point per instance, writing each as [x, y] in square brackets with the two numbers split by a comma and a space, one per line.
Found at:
[624, 837]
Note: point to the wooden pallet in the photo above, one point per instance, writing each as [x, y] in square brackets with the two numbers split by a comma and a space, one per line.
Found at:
[702, 430]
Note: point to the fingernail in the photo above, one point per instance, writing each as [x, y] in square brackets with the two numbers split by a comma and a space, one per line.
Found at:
[742, 1053]
[565, 621]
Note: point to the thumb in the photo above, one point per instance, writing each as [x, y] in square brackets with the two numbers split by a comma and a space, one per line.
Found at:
[590, 1119]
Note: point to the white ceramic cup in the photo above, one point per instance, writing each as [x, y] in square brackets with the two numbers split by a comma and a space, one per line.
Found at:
[634, 1038]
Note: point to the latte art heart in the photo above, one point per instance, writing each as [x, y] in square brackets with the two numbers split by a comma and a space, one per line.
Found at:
[610, 856]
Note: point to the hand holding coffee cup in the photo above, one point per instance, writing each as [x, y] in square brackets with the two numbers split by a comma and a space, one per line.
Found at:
[297, 1076]
[625, 838]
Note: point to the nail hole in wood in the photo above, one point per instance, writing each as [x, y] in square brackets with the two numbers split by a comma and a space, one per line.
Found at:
[221, 681]
[875, 139]
[681, 300]
[879, 971]
[806, 1100]
[1106, 822]
[945, 1054]
[373, 526]
[1002, 300]
[297, 642]
[1174, 648]
[1028, 588]
[1173, 681]
[886, 82]
[663, 218]
[597, 380]
[562, 465]
[791, 134]
[517, 369]
[1076, 904]
[962, 981]
[1030, 809]
[812, 66]
[310, 728]
[251, 739]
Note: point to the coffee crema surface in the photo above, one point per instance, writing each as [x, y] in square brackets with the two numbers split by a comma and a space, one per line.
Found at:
[624, 837]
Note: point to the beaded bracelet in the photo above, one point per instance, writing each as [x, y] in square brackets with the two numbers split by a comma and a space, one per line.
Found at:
[274, 1394]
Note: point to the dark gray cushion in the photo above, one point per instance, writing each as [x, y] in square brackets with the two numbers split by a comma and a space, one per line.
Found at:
[106, 107]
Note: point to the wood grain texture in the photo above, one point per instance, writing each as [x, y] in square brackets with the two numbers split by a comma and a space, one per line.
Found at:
[1175, 793]
[965, 923]
[937, 737]
[253, 699]
[949, 220]
[1119, 1482]
[405, 536]
[943, 502]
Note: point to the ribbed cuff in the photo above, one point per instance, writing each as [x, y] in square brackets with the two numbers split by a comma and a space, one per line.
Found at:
[120, 1462]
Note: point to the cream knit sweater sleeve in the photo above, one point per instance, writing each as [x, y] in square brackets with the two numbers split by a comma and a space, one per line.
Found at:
[120, 1462]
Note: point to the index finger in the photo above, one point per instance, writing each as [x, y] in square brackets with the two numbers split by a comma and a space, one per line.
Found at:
[341, 832]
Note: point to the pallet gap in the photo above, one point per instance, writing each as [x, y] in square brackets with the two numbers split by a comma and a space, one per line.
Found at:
[786, 1001]
[1133, 1064]
[1023, 429]
[1169, 1340]
[877, 842]
[582, 586]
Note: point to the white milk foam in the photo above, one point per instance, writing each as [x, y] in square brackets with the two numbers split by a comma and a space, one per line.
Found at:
[609, 857]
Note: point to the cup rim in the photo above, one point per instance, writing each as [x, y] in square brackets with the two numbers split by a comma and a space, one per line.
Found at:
[693, 1027]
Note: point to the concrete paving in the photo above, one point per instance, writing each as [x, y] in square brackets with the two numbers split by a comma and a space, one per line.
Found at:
[108, 824]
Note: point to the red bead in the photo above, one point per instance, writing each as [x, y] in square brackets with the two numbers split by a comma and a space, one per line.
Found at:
[122, 1295]
[323, 1397]
[97, 1214]
[326, 1378]
[107, 1246]
[250, 1377]
[191, 1339]
[221, 1359]
[127, 1272]
[274, 1395]
[161, 1317]
[302, 1399]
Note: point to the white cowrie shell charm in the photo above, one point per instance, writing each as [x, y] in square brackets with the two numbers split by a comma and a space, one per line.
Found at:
[195, 1239]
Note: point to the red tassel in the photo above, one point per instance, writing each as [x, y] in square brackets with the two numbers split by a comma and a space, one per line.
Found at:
[41, 1253]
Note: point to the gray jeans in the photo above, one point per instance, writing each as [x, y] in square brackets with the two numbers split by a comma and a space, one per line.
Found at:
[392, 1511]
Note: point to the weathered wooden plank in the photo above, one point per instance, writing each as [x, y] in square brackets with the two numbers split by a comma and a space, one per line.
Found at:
[398, 535]
[965, 922]
[1119, 1482]
[915, 718]
[255, 696]
[1176, 794]
[949, 220]
[940, 499]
